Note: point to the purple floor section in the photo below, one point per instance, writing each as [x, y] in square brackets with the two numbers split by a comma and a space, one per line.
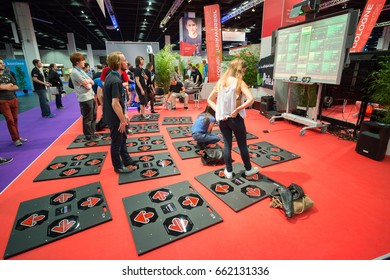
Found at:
[40, 132]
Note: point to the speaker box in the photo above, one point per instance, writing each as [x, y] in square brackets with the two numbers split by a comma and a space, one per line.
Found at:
[266, 104]
[373, 139]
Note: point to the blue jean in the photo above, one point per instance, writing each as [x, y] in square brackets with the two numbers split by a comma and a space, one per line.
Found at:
[119, 154]
[43, 102]
[237, 126]
[207, 138]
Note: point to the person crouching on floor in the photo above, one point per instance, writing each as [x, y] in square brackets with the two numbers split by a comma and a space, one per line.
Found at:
[115, 113]
[202, 127]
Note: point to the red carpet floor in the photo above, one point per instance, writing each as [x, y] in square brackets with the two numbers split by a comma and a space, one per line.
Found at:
[349, 221]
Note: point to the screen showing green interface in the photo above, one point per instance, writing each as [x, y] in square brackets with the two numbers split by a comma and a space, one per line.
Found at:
[315, 49]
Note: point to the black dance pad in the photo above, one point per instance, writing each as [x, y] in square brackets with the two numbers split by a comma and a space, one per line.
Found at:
[46, 219]
[150, 167]
[189, 149]
[240, 191]
[179, 131]
[266, 154]
[145, 144]
[177, 120]
[167, 214]
[81, 142]
[144, 128]
[248, 135]
[72, 166]
[152, 118]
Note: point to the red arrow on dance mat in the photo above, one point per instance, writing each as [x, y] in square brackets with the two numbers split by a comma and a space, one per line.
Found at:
[252, 192]
[222, 188]
[63, 197]
[90, 202]
[63, 226]
[32, 220]
[178, 225]
[192, 201]
[144, 217]
[160, 195]
[57, 165]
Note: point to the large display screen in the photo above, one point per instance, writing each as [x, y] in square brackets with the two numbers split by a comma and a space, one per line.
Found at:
[314, 51]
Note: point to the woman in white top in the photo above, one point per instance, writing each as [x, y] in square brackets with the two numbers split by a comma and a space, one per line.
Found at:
[227, 101]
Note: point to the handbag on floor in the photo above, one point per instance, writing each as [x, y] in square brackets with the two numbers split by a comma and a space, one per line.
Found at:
[292, 200]
[213, 157]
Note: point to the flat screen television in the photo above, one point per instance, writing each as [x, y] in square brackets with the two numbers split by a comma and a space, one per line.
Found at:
[316, 49]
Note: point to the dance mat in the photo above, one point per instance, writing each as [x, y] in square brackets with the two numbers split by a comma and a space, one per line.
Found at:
[144, 128]
[240, 191]
[145, 144]
[81, 142]
[266, 154]
[46, 219]
[189, 149]
[177, 120]
[179, 131]
[150, 167]
[152, 118]
[72, 166]
[167, 214]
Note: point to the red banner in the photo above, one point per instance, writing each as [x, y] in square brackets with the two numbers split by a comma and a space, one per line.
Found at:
[186, 49]
[367, 22]
[212, 18]
[276, 13]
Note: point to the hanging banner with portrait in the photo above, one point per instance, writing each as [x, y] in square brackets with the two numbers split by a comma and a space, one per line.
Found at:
[266, 70]
[191, 33]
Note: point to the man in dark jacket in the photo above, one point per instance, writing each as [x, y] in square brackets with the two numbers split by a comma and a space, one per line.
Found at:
[55, 81]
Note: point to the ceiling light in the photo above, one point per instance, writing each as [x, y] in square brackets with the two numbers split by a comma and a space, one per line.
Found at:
[111, 13]
[82, 12]
[171, 11]
[147, 9]
[150, 3]
[240, 9]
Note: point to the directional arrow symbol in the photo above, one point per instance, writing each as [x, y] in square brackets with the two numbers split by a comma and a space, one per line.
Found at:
[192, 201]
[63, 226]
[222, 188]
[32, 220]
[178, 225]
[253, 192]
[63, 197]
[161, 195]
[90, 202]
[144, 217]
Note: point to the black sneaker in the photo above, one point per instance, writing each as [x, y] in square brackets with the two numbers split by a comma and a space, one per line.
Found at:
[173, 108]
[5, 160]
[185, 108]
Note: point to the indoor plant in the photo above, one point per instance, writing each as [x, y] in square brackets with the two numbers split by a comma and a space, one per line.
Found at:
[379, 89]
[165, 62]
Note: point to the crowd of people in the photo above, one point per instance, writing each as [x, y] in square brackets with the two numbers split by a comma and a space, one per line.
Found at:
[119, 85]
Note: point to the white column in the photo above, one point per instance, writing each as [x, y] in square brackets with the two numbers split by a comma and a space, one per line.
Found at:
[71, 43]
[383, 42]
[29, 41]
[90, 56]
[9, 51]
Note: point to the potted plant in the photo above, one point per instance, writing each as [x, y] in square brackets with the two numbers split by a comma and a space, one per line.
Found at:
[165, 62]
[379, 89]
[307, 98]
[250, 77]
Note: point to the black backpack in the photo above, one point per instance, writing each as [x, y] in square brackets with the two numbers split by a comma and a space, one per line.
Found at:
[213, 157]
[70, 83]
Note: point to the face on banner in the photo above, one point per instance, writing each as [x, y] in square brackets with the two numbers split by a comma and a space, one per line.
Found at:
[192, 33]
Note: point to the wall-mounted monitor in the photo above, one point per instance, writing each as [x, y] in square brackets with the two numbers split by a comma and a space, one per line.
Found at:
[315, 49]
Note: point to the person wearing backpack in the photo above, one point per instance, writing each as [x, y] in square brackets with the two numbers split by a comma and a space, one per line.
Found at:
[202, 128]
[227, 99]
